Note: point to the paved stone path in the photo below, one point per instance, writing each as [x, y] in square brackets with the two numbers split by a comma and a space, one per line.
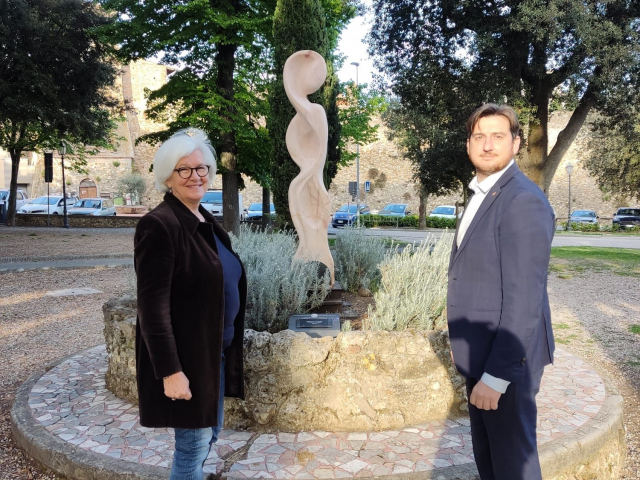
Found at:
[71, 402]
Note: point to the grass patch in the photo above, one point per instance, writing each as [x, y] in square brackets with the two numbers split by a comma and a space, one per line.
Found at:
[566, 340]
[619, 261]
[561, 326]
[634, 329]
[633, 363]
[33, 235]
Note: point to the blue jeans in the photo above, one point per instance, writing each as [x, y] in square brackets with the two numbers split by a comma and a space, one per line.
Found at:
[193, 444]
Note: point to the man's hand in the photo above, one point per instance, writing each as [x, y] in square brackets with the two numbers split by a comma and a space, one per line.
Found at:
[484, 397]
[176, 387]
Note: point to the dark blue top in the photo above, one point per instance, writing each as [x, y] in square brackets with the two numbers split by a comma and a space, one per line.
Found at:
[232, 272]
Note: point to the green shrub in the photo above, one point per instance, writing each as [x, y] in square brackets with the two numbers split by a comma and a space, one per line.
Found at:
[411, 221]
[278, 285]
[439, 222]
[413, 287]
[585, 227]
[357, 257]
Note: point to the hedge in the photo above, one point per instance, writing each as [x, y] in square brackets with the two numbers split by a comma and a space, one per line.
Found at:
[408, 221]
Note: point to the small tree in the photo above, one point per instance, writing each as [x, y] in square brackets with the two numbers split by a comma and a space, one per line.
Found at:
[54, 81]
[133, 183]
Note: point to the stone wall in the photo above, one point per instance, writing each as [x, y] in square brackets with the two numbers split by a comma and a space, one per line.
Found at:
[383, 157]
[75, 221]
[359, 381]
[107, 167]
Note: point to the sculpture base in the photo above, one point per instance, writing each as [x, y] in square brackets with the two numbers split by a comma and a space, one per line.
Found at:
[333, 302]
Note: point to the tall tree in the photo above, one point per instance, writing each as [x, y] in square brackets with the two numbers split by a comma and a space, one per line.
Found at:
[440, 165]
[614, 156]
[221, 48]
[297, 25]
[54, 81]
[359, 105]
[524, 52]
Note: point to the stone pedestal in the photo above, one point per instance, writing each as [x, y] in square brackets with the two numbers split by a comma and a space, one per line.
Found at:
[120, 335]
[359, 381]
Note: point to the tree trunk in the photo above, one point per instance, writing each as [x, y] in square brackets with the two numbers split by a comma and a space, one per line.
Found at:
[230, 204]
[538, 163]
[13, 187]
[225, 62]
[422, 210]
[565, 138]
[266, 208]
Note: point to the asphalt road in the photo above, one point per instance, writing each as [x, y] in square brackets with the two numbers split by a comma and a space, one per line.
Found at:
[560, 240]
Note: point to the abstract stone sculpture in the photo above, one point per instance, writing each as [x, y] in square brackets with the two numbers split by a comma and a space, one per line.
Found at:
[307, 135]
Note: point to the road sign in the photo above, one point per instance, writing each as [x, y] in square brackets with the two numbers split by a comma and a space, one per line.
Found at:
[367, 186]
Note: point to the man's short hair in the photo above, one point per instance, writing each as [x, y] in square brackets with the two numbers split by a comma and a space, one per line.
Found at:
[490, 109]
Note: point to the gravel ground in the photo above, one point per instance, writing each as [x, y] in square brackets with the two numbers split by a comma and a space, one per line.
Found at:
[43, 242]
[592, 315]
[36, 329]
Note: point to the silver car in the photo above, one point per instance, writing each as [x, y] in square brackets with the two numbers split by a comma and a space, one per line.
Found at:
[99, 207]
[56, 205]
[584, 216]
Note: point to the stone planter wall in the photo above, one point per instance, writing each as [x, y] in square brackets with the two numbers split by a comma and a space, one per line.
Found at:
[359, 381]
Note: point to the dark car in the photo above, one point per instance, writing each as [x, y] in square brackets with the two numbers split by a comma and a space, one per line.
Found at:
[395, 210]
[347, 215]
[584, 216]
[254, 213]
[627, 217]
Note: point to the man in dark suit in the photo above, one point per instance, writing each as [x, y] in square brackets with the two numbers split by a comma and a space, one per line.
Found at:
[498, 307]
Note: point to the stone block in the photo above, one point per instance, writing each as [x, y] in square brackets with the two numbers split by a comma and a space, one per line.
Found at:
[358, 381]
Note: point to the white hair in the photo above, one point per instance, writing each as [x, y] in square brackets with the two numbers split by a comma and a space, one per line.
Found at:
[181, 144]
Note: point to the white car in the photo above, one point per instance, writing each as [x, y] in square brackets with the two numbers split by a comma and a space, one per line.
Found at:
[98, 207]
[21, 199]
[56, 205]
[445, 211]
[212, 203]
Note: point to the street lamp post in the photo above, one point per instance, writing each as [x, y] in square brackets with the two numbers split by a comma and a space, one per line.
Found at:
[357, 159]
[62, 150]
[569, 172]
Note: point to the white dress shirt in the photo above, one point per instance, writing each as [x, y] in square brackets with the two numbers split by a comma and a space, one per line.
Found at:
[480, 190]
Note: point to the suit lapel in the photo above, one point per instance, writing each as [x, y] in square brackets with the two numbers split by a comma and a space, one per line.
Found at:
[484, 207]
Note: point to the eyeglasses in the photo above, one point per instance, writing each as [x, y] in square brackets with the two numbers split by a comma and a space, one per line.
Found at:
[186, 172]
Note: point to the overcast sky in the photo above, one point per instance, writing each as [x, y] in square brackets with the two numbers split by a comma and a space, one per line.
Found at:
[353, 47]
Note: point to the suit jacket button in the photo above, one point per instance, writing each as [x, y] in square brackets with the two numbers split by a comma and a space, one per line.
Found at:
[524, 360]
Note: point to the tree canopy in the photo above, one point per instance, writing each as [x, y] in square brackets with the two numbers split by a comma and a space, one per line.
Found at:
[614, 155]
[531, 54]
[55, 79]
[221, 48]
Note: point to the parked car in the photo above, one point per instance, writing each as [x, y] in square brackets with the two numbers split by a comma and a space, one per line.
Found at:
[212, 202]
[21, 199]
[395, 210]
[346, 215]
[99, 207]
[445, 211]
[584, 216]
[56, 205]
[254, 213]
[627, 217]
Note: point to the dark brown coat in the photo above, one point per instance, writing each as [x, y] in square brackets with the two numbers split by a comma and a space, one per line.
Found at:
[180, 318]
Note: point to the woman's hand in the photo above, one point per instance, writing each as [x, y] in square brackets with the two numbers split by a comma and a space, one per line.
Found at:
[176, 387]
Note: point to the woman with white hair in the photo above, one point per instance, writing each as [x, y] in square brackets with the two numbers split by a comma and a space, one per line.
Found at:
[191, 302]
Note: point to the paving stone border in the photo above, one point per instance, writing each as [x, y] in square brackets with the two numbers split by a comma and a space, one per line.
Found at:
[592, 443]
